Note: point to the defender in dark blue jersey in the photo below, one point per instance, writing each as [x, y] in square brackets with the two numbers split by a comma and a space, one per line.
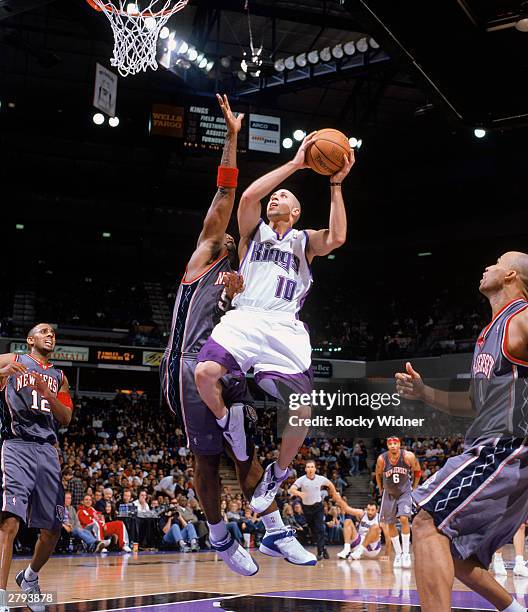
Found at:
[34, 398]
[476, 502]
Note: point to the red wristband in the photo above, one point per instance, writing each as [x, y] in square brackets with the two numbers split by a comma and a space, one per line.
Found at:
[65, 398]
[227, 177]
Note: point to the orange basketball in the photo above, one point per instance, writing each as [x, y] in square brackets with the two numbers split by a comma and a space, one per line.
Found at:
[326, 154]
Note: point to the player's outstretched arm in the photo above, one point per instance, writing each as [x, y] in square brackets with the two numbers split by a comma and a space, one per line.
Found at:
[410, 385]
[219, 213]
[249, 208]
[324, 241]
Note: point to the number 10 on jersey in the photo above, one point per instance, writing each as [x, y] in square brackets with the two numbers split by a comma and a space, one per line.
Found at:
[285, 288]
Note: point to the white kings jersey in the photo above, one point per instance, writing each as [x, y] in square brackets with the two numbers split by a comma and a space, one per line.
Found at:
[277, 276]
[365, 524]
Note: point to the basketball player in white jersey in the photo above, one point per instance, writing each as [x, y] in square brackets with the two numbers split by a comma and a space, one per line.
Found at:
[263, 331]
[365, 541]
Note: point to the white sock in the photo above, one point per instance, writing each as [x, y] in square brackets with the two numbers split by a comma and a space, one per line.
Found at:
[218, 531]
[222, 422]
[397, 546]
[515, 606]
[519, 560]
[3, 597]
[272, 521]
[406, 541]
[278, 471]
[346, 547]
[29, 574]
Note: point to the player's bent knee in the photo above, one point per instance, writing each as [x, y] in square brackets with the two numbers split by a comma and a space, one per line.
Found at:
[9, 525]
[404, 520]
[304, 412]
[207, 373]
[423, 525]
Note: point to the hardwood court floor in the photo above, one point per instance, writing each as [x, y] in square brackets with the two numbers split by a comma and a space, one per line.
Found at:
[202, 576]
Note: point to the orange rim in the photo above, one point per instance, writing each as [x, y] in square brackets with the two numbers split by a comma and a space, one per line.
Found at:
[112, 9]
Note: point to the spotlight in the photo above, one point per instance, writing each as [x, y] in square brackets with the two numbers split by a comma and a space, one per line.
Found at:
[325, 54]
[164, 33]
[373, 43]
[210, 66]
[299, 135]
[279, 65]
[479, 132]
[172, 44]
[359, 143]
[113, 121]
[200, 57]
[242, 75]
[289, 62]
[349, 48]
[362, 45]
[107, 235]
[243, 65]
[353, 142]
[192, 54]
[337, 52]
[183, 48]
[98, 119]
[287, 143]
[225, 62]
[300, 60]
[313, 57]
[203, 63]
[19, 226]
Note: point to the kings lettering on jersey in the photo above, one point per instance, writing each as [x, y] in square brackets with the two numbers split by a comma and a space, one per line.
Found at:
[265, 251]
[26, 380]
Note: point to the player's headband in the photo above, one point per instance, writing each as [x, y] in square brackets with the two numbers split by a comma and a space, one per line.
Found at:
[393, 439]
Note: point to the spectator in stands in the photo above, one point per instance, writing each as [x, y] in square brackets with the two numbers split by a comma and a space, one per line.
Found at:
[75, 485]
[176, 530]
[167, 485]
[141, 502]
[108, 496]
[89, 517]
[334, 528]
[232, 526]
[72, 528]
[184, 507]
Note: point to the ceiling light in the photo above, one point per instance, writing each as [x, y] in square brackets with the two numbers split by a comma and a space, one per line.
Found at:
[225, 62]
[289, 62]
[373, 43]
[203, 63]
[287, 143]
[301, 60]
[242, 75]
[183, 48]
[172, 44]
[98, 119]
[113, 121]
[279, 65]
[192, 54]
[337, 52]
[299, 135]
[164, 33]
[210, 66]
[349, 48]
[362, 45]
[325, 54]
[353, 142]
[479, 132]
[313, 57]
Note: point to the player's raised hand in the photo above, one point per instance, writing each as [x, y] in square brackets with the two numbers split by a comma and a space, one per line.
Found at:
[40, 385]
[300, 157]
[234, 124]
[409, 384]
[234, 284]
[12, 368]
[340, 175]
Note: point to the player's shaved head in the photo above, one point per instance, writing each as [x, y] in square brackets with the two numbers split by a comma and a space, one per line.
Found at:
[519, 262]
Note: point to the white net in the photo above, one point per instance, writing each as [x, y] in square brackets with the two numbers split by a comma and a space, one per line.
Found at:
[136, 31]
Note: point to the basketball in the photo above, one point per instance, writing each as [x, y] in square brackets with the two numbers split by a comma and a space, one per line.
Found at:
[326, 154]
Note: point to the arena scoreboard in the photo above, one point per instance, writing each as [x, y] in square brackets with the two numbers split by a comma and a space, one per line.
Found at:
[205, 128]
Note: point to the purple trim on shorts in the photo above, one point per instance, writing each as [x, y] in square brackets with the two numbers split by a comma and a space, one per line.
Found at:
[212, 351]
[378, 546]
[298, 383]
[356, 541]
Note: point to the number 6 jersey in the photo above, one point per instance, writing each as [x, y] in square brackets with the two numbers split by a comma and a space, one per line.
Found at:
[24, 413]
[396, 476]
[276, 272]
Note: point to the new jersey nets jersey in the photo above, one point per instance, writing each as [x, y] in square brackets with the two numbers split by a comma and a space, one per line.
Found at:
[397, 476]
[499, 382]
[24, 413]
[276, 273]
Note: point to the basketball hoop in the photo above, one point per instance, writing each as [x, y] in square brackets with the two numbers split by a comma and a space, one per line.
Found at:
[136, 30]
